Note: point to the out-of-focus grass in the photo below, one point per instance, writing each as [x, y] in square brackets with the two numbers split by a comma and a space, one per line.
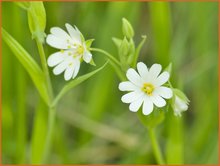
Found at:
[180, 32]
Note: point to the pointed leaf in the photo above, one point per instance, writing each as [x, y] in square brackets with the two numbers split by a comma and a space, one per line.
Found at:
[117, 41]
[137, 52]
[28, 63]
[89, 43]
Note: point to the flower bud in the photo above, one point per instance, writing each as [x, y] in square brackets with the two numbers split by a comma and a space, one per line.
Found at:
[37, 20]
[127, 29]
[180, 102]
[124, 48]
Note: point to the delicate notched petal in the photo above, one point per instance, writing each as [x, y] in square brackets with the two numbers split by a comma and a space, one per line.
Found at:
[87, 56]
[58, 32]
[77, 66]
[133, 76]
[135, 105]
[75, 34]
[147, 106]
[132, 96]
[60, 68]
[55, 59]
[158, 101]
[56, 42]
[142, 70]
[127, 86]
[154, 71]
[69, 72]
[164, 92]
[163, 78]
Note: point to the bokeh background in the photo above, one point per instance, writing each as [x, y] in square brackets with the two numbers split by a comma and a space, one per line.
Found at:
[93, 125]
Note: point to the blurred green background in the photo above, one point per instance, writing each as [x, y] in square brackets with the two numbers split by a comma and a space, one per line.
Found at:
[93, 125]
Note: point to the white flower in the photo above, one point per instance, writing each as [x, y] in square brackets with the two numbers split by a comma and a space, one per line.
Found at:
[73, 51]
[146, 87]
[179, 106]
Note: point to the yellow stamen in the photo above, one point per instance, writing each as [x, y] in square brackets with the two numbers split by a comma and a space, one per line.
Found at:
[148, 88]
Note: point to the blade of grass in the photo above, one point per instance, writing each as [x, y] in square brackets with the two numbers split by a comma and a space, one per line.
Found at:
[28, 63]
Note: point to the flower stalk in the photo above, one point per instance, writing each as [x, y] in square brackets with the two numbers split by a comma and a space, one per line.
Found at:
[155, 146]
[52, 110]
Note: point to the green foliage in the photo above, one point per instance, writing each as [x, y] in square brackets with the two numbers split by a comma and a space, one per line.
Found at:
[28, 63]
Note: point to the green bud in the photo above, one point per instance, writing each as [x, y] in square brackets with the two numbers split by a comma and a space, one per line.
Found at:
[127, 29]
[124, 48]
[117, 42]
[181, 95]
[37, 20]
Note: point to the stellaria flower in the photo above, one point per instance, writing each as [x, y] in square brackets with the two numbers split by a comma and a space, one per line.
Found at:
[146, 88]
[73, 51]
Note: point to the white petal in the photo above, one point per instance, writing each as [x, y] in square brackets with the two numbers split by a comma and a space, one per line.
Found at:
[154, 71]
[87, 56]
[164, 92]
[69, 72]
[133, 76]
[77, 66]
[58, 32]
[60, 68]
[132, 96]
[163, 78]
[142, 70]
[56, 42]
[147, 106]
[158, 101]
[127, 86]
[75, 34]
[135, 105]
[55, 59]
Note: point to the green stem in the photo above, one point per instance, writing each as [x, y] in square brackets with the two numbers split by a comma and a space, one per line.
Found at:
[51, 120]
[156, 148]
[52, 110]
[111, 57]
[113, 61]
[45, 68]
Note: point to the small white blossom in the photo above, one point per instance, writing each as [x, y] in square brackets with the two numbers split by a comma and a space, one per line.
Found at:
[146, 88]
[179, 106]
[73, 51]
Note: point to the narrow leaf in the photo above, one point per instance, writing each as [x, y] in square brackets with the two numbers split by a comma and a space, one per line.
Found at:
[117, 41]
[28, 63]
[137, 52]
[75, 82]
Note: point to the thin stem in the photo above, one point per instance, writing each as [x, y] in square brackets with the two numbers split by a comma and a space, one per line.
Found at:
[45, 68]
[113, 61]
[156, 148]
[111, 57]
[52, 115]
[52, 110]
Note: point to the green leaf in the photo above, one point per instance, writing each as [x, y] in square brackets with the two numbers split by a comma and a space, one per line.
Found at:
[28, 63]
[169, 68]
[137, 52]
[74, 83]
[89, 43]
[92, 62]
[37, 20]
[117, 42]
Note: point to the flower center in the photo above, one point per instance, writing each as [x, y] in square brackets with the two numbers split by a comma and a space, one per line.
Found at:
[80, 50]
[148, 88]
